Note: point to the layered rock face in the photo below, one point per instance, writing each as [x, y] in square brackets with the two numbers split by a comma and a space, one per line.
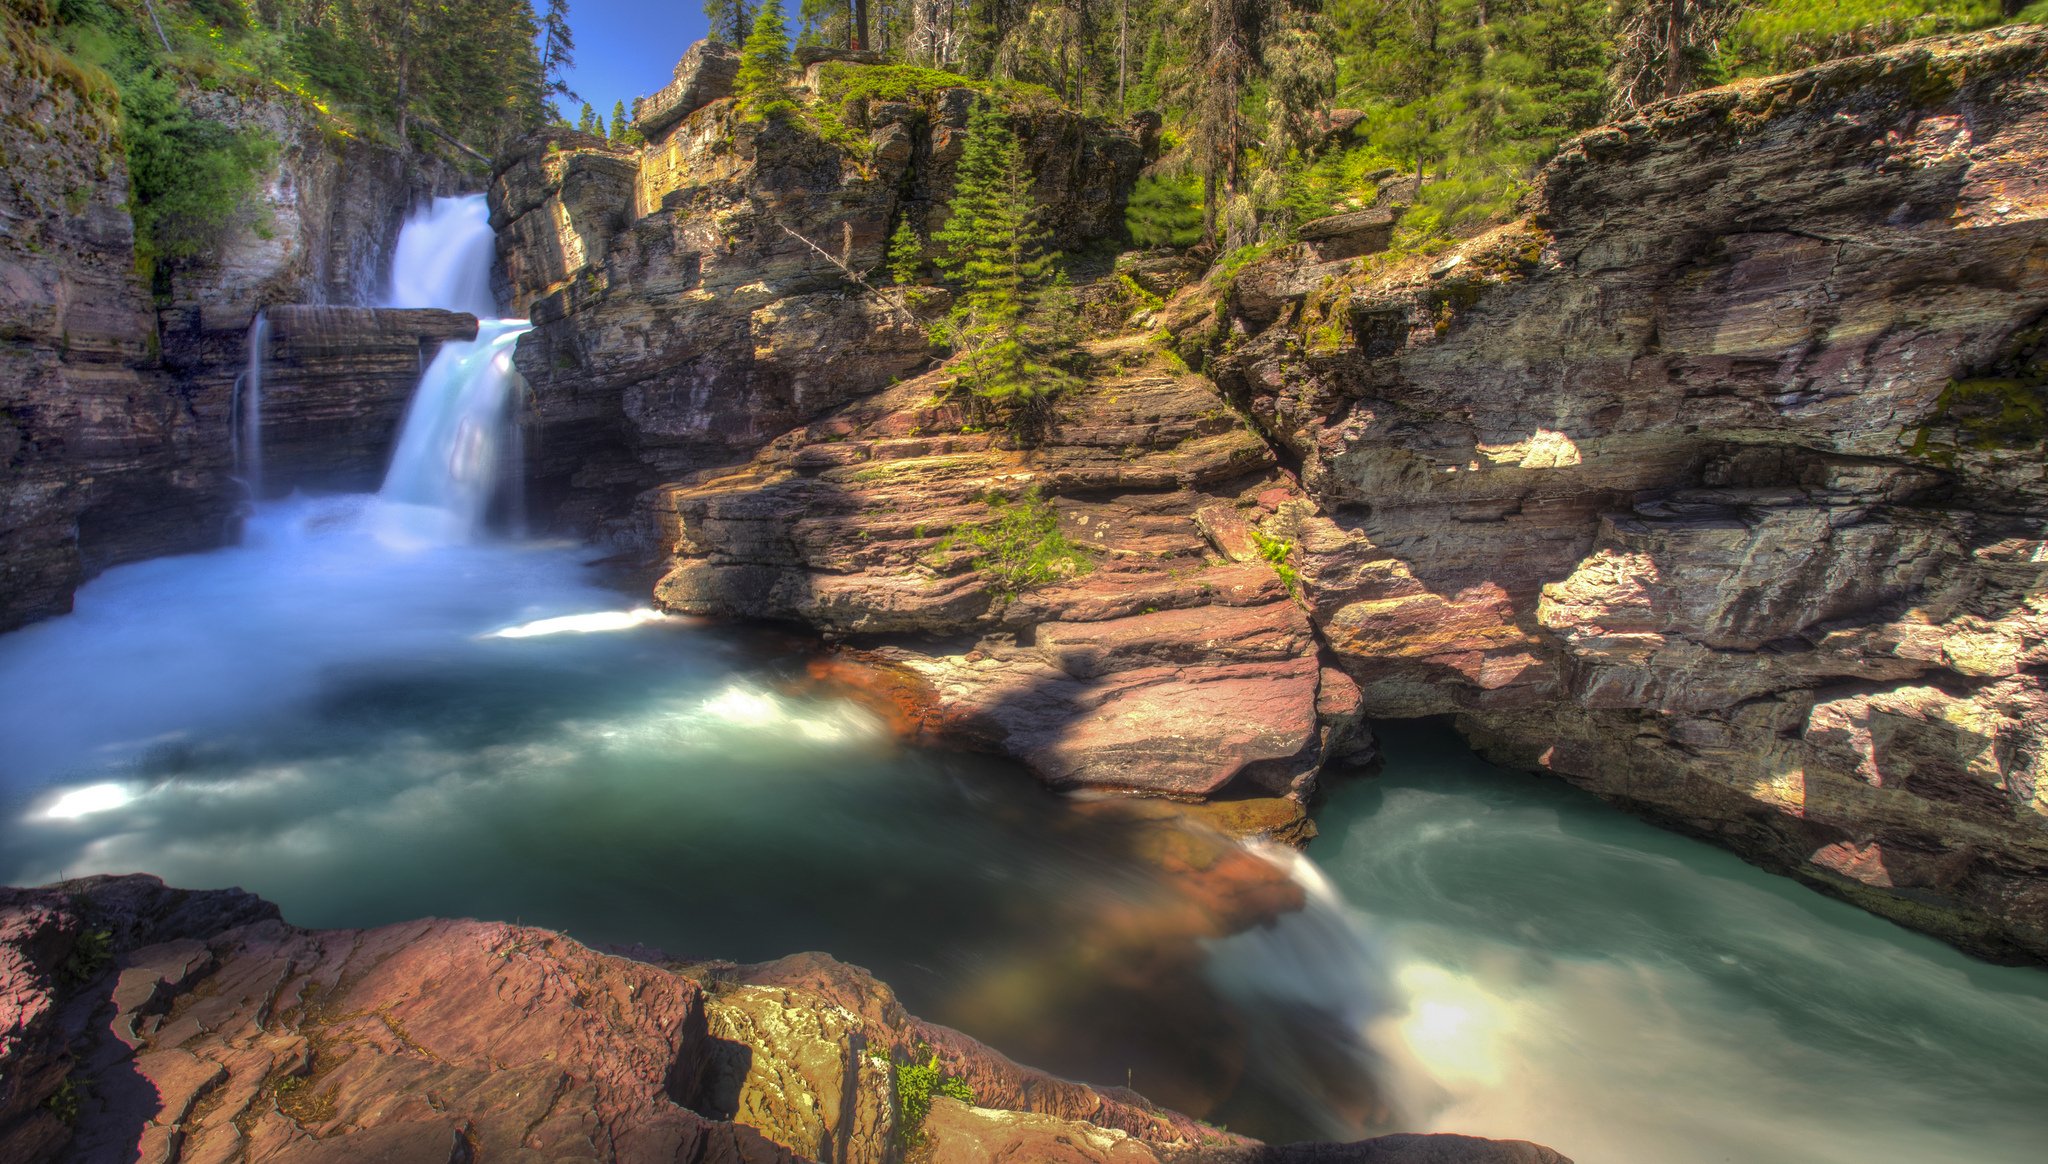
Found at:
[156, 1024]
[1716, 485]
[1169, 657]
[689, 297]
[105, 461]
[335, 384]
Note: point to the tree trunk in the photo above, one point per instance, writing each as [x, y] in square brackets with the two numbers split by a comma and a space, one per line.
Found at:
[860, 25]
[1674, 51]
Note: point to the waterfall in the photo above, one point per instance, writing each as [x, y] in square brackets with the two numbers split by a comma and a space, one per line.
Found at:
[1316, 992]
[245, 437]
[457, 461]
[445, 252]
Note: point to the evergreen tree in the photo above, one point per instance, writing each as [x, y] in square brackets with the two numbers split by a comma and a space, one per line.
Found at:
[727, 21]
[906, 253]
[762, 84]
[619, 123]
[587, 122]
[993, 245]
[557, 52]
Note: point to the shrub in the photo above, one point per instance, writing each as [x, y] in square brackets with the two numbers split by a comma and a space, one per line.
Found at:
[916, 1084]
[1165, 212]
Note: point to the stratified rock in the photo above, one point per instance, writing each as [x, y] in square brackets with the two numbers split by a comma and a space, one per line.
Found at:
[200, 1026]
[1176, 663]
[104, 461]
[336, 383]
[1715, 486]
[1346, 236]
[704, 74]
[688, 296]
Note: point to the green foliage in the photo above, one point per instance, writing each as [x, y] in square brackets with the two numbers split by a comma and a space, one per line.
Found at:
[726, 21]
[1022, 547]
[67, 1102]
[906, 254]
[1278, 553]
[1005, 325]
[761, 88]
[91, 955]
[1780, 35]
[1165, 212]
[916, 1084]
[839, 82]
[587, 122]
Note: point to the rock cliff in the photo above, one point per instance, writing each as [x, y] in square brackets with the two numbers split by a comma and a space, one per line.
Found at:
[1713, 485]
[115, 423]
[689, 297]
[143, 1022]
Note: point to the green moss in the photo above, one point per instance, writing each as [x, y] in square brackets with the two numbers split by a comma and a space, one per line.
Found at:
[841, 81]
[2006, 407]
[66, 1102]
[92, 954]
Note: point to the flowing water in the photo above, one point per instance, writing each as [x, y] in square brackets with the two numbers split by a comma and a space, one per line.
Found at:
[246, 432]
[372, 710]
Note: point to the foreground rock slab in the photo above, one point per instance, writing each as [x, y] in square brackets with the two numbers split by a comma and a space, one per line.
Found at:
[143, 1022]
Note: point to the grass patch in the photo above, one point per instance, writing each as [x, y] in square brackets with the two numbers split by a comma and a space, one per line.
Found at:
[1022, 547]
[1279, 554]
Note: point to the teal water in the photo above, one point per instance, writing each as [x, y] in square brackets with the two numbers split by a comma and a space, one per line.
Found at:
[1585, 980]
[365, 729]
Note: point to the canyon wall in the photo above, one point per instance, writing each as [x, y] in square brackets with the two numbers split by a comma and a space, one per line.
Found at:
[115, 404]
[1715, 485]
[688, 296]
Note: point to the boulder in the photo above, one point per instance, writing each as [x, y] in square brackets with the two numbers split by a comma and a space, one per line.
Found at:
[703, 75]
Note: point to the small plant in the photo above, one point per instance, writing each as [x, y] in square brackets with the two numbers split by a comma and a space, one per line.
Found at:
[95, 949]
[1022, 548]
[1278, 553]
[916, 1084]
[906, 254]
[69, 1099]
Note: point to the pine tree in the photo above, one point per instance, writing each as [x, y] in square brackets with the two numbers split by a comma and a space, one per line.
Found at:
[762, 85]
[558, 51]
[726, 21]
[587, 122]
[993, 245]
[906, 254]
[619, 124]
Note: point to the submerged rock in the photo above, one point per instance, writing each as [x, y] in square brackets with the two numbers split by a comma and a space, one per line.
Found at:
[149, 1022]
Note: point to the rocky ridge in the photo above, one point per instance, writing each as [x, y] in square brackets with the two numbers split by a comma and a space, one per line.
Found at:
[143, 1022]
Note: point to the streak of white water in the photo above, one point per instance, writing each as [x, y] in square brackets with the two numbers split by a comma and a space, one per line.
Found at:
[247, 437]
[444, 258]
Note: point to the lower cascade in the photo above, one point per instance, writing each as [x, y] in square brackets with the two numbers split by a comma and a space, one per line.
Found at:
[458, 451]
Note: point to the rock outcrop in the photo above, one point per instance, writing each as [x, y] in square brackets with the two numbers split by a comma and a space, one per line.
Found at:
[142, 1022]
[1170, 656]
[1716, 484]
[690, 297]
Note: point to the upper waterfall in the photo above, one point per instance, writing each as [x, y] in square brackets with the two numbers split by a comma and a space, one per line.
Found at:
[457, 461]
[444, 257]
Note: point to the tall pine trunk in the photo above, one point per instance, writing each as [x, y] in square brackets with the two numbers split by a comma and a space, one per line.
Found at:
[1674, 51]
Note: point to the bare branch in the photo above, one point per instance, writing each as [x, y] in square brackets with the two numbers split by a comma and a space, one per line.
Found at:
[857, 278]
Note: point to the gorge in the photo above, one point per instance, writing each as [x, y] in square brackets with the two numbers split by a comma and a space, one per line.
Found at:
[618, 557]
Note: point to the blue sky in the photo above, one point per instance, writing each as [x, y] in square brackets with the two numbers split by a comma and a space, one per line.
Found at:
[627, 48]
